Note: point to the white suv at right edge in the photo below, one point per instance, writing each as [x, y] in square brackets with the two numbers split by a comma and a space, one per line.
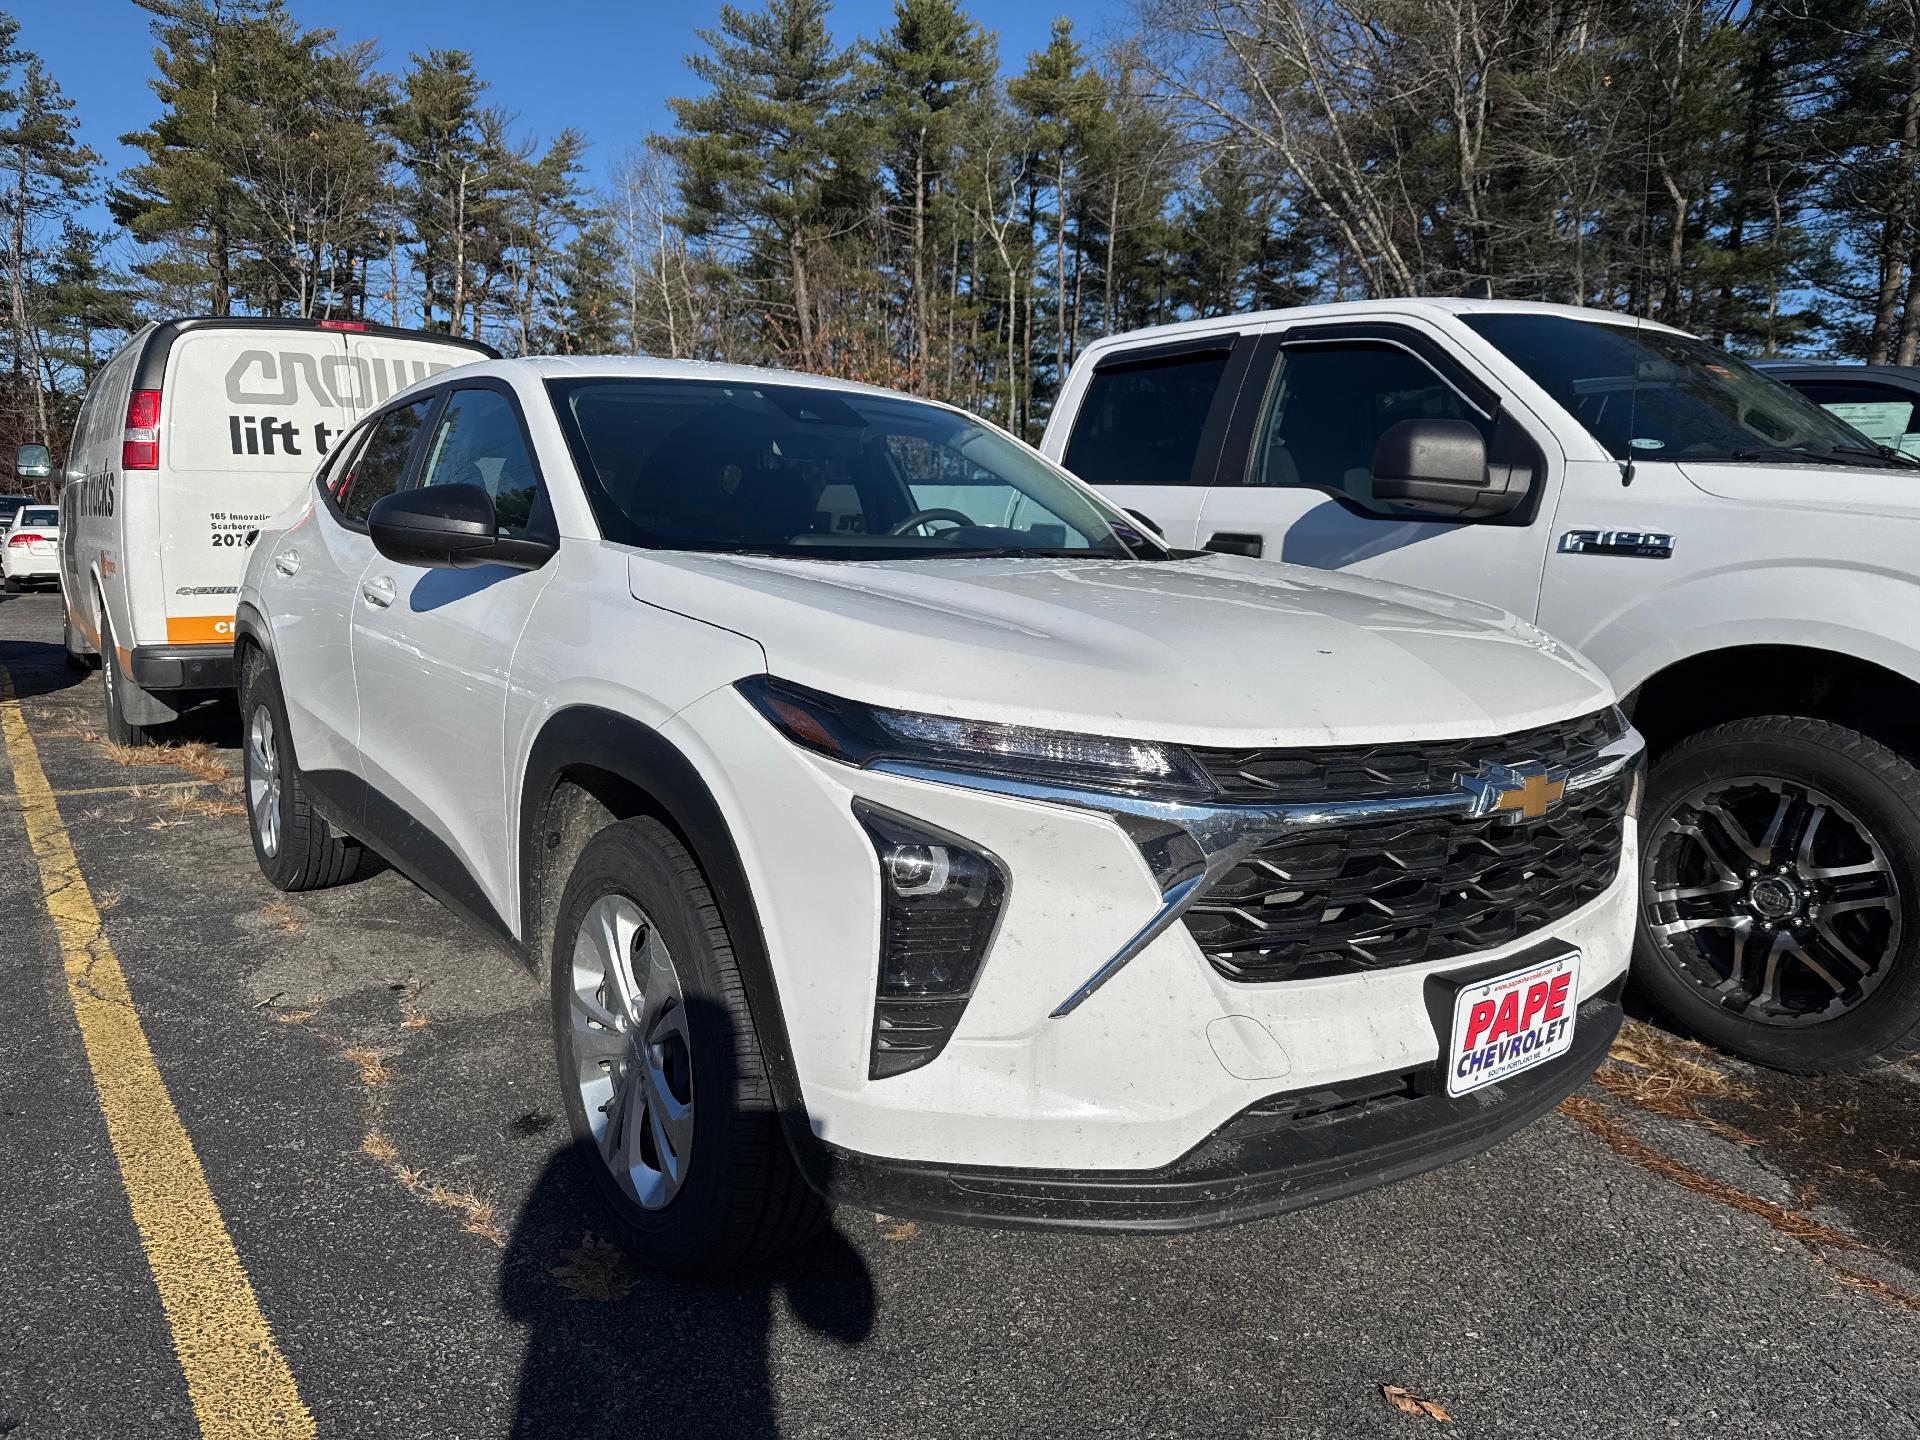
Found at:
[900, 824]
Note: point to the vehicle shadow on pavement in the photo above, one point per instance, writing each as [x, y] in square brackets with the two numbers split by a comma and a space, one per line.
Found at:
[39, 669]
[615, 1349]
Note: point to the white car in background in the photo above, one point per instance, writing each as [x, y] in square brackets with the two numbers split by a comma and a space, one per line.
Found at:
[30, 547]
[900, 822]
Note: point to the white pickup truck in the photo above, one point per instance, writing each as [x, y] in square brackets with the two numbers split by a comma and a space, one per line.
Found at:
[1741, 563]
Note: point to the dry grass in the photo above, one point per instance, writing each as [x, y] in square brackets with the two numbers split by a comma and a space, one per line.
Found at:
[284, 918]
[196, 757]
[372, 1065]
[1795, 1225]
[415, 1021]
[905, 1230]
[69, 732]
[1669, 1076]
[294, 1017]
[476, 1215]
[209, 807]
[379, 1147]
[108, 898]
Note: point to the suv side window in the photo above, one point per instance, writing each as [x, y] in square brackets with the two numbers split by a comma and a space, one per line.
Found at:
[1141, 421]
[377, 470]
[479, 442]
[1328, 406]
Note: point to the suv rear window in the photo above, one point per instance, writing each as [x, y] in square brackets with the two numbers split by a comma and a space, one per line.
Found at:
[1140, 423]
[377, 470]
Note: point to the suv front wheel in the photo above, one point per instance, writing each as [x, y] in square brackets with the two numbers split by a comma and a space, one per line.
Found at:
[661, 1069]
[1780, 894]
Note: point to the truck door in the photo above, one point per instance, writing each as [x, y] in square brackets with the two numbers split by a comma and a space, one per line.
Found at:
[1295, 476]
[1147, 425]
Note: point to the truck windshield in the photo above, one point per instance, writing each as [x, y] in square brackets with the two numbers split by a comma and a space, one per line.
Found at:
[1650, 394]
[828, 474]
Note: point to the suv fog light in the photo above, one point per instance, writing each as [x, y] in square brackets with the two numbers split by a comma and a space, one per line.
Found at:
[940, 898]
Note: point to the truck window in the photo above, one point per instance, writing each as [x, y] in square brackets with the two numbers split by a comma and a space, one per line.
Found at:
[1140, 423]
[479, 443]
[382, 462]
[1882, 413]
[1328, 406]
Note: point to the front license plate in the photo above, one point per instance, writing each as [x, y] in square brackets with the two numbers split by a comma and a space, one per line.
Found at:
[1513, 1022]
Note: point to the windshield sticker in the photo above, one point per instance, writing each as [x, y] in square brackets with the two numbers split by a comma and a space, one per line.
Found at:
[1647, 442]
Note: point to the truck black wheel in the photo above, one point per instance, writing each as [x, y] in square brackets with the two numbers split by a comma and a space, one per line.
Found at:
[296, 848]
[661, 1069]
[1780, 894]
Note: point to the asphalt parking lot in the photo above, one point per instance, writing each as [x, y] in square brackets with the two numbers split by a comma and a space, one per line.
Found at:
[1690, 1246]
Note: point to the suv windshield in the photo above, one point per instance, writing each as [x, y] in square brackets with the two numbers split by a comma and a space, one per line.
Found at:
[829, 474]
[1650, 394]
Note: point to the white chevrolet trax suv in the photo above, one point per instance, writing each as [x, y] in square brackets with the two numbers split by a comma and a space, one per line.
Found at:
[900, 824]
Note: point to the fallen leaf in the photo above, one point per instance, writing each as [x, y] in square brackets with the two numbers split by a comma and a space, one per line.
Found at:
[597, 1270]
[1408, 1403]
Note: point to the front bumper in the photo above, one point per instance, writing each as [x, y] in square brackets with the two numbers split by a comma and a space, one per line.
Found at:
[1161, 1054]
[1290, 1151]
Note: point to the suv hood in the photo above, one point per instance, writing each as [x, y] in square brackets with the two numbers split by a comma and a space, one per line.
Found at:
[1213, 651]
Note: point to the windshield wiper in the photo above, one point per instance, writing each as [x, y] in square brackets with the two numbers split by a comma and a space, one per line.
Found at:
[1886, 453]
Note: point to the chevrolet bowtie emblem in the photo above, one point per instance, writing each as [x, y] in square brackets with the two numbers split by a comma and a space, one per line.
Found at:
[1520, 792]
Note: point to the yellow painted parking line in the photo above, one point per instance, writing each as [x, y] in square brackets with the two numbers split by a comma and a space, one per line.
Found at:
[238, 1381]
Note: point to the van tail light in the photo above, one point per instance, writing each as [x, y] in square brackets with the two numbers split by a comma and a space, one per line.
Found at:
[354, 325]
[140, 441]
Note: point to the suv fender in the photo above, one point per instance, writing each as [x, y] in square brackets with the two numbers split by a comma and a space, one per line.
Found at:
[591, 745]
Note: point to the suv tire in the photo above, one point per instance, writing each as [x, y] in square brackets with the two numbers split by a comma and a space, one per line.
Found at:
[665, 1083]
[1870, 797]
[296, 848]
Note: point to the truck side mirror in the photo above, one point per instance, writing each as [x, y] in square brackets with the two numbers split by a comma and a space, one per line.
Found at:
[32, 462]
[1439, 467]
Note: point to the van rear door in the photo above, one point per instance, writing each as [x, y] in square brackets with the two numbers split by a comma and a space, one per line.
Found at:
[384, 365]
[247, 414]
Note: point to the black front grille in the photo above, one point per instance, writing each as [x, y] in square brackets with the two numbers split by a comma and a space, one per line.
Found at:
[1396, 893]
[1367, 772]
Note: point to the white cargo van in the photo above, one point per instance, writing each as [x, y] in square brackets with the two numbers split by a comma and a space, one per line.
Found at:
[191, 436]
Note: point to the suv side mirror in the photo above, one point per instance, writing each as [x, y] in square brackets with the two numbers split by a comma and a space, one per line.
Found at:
[1439, 467]
[448, 527]
[32, 462]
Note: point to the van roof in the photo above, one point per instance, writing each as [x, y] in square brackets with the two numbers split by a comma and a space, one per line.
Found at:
[157, 339]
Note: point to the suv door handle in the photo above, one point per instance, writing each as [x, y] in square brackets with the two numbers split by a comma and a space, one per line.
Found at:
[287, 562]
[377, 592]
[1228, 542]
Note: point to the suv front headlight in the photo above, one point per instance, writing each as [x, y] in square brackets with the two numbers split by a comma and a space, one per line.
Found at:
[860, 734]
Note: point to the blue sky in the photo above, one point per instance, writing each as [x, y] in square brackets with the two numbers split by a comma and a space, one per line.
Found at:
[607, 68]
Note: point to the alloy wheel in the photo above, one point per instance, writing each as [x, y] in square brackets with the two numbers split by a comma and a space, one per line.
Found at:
[1773, 897]
[263, 780]
[632, 1051]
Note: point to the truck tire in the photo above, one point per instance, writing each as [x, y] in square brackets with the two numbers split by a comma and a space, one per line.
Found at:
[661, 1069]
[114, 681]
[295, 846]
[1780, 894]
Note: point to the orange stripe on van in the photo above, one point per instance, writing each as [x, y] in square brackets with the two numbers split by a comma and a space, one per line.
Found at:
[200, 629]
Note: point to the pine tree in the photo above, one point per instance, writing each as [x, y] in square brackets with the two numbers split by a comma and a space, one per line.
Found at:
[920, 82]
[757, 151]
[47, 174]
